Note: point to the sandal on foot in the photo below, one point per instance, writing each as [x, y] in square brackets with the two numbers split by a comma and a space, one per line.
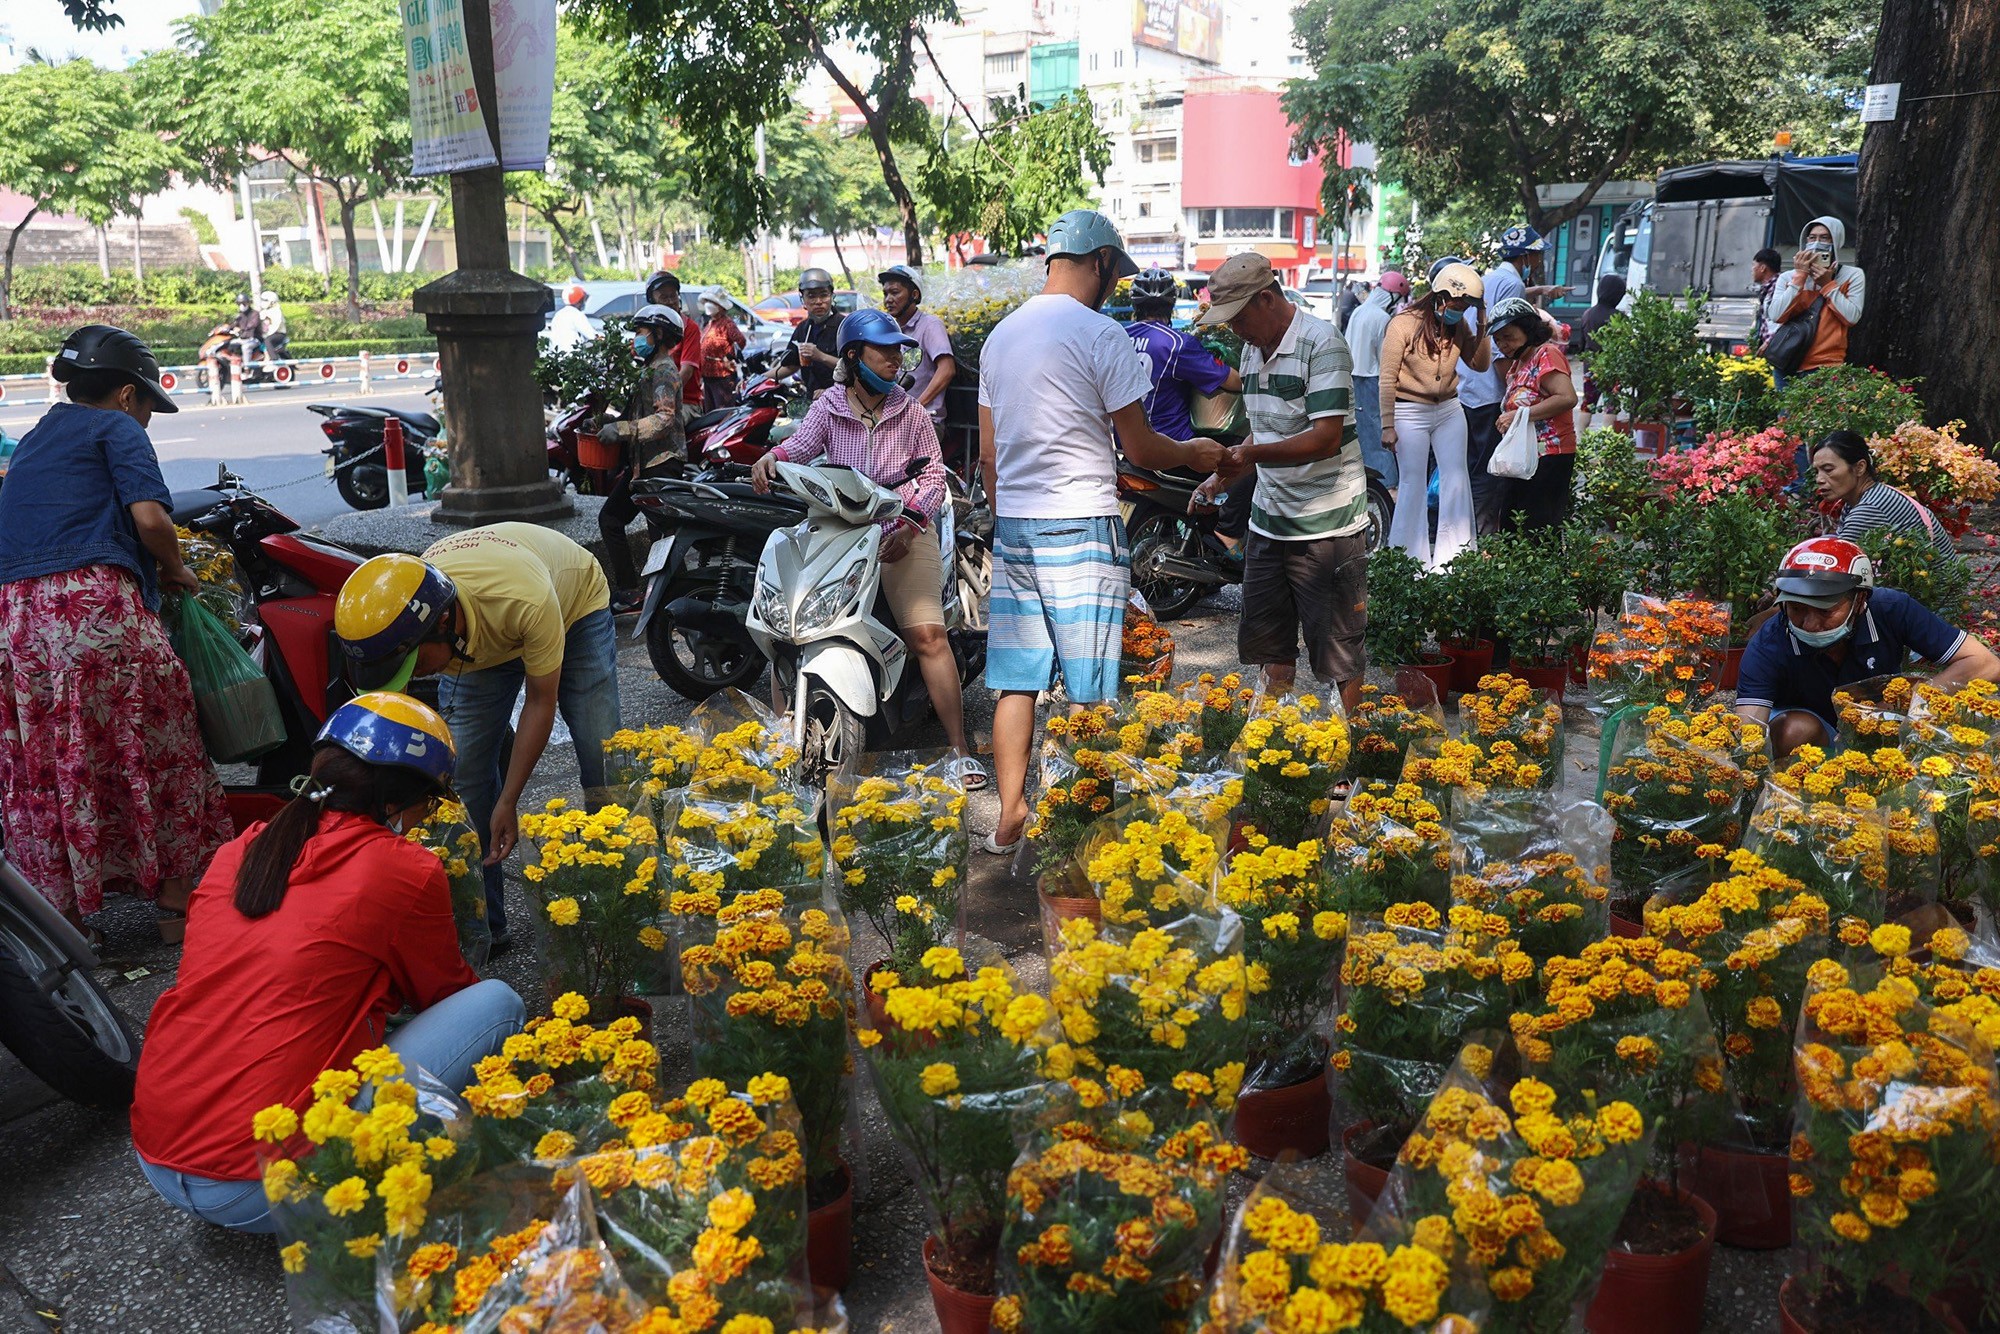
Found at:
[972, 774]
[999, 849]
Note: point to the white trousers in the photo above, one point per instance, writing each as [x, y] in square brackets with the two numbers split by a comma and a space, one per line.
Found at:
[1424, 429]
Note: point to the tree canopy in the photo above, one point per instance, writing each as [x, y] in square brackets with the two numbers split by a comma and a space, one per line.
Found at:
[1006, 181]
[321, 86]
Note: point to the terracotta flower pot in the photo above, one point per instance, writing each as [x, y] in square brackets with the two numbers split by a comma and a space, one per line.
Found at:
[1435, 668]
[830, 1238]
[1625, 928]
[1552, 677]
[1364, 1180]
[1732, 668]
[1271, 1121]
[1655, 1294]
[1469, 661]
[878, 1005]
[1751, 1193]
[958, 1311]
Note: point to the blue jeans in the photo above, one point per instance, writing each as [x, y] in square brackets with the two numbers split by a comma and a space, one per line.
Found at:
[1368, 424]
[446, 1040]
[480, 708]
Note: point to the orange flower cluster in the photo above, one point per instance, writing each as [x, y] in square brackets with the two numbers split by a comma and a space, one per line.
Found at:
[1660, 652]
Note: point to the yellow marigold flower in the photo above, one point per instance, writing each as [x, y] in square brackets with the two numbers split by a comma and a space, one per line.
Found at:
[1532, 1095]
[336, 1085]
[555, 1144]
[732, 1210]
[1890, 940]
[705, 1092]
[767, 1089]
[1620, 1123]
[275, 1124]
[942, 961]
[364, 1248]
[378, 1065]
[940, 1078]
[1850, 1226]
[280, 1174]
[564, 911]
[293, 1257]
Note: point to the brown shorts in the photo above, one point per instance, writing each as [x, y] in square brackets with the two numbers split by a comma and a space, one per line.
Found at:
[1320, 586]
[913, 586]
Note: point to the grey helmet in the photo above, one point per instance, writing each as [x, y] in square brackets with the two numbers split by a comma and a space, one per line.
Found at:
[903, 273]
[656, 316]
[1514, 310]
[1085, 231]
[1155, 284]
[815, 280]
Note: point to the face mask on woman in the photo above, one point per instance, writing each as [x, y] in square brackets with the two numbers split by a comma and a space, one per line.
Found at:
[1450, 317]
[875, 383]
[643, 346]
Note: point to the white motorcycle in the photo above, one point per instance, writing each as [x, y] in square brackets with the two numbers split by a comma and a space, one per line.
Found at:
[818, 616]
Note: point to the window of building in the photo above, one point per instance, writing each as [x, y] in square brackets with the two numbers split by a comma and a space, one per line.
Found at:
[1155, 150]
[1285, 220]
[1145, 208]
[1204, 222]
[1242, 223]
[1118, 58]
[1007, 62]
[1297, 159]
[1093, 60]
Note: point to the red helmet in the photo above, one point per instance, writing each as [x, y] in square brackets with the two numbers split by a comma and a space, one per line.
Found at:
[1820, 570]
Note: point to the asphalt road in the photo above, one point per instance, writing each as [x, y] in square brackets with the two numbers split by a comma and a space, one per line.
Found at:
[270, 440]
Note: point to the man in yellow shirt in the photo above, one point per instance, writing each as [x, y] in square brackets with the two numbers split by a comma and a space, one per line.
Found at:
[493, 610]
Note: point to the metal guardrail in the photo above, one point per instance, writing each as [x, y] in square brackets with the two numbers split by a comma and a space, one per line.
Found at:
[363, 369]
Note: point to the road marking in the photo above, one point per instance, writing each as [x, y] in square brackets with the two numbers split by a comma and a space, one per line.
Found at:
[175, 440]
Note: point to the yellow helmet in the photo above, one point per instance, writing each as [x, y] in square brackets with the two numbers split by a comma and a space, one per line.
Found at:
[386, 609]
[386, 728]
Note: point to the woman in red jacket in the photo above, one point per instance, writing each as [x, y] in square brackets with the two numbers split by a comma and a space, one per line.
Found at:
[306, 934]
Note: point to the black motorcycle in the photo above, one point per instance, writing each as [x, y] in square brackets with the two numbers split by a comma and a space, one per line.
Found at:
[356, 434]
[1178, 555]
[709, 528]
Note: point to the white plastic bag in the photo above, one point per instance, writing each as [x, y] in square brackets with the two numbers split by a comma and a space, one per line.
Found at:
[1518, 454]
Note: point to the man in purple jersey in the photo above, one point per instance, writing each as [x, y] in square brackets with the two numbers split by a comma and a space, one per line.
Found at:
[1179, 363]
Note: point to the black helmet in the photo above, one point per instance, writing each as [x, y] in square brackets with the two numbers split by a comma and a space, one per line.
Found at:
[104, 347]
[815, 280]
[1155, 284]
[662, 277]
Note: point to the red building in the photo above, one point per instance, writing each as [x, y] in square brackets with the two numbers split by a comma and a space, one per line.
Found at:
[1241, 187]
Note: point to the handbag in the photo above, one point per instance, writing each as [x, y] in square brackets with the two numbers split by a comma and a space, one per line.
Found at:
[1519, 453]
[1788, 344]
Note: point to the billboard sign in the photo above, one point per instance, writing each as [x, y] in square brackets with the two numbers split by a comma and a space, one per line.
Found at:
[1191, 28]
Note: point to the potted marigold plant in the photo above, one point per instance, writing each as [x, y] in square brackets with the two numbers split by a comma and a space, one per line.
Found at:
[1500, 707]
[1661, 651]
[1161, 1009]
[1680, 788]
[1885, 783]
[1153, 872]
[1756, 931]
[1383, 726]
[1495, 1176]
[957, 1059]
[449, 836]
[1294, 750]
[1414, 988]
[1292, 945]
[1388, 846]
[1078, 780]
[1225, 706]
[899, 850]
[595, 880]
[1146, 650]
[648, 763]
[1109, 1218]
[1894, 1167]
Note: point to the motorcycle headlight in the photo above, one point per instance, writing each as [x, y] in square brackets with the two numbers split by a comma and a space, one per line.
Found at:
[826, 601]
[771, 610]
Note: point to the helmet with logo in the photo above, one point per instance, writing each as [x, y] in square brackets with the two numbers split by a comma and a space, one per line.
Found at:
[1439, 266]
[875, 328]
[1514, 310]
[902, 273]
[1520, 240]
[1458, 280]
[383, 727]
[1155, 284]
[1083, 232]
[1820, 571]
[656, 316]
[385, 611]
[105, 347]
[815, 280]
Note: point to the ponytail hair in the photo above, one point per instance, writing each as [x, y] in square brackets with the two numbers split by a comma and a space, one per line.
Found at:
[338, 781]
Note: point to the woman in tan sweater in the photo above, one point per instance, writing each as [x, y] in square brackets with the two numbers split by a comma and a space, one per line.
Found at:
[1421, 415]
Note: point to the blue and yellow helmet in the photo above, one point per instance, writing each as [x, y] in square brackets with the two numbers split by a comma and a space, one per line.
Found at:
[382, 727]
[386, 609]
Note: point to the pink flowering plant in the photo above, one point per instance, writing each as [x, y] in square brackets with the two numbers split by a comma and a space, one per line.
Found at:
[1728, 462]
[1947, 474]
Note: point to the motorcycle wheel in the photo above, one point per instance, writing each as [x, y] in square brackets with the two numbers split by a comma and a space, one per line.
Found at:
[696, 665]
[59, 1021]
[1380, 510]
[365, 486]
[834, 735]
[1153, 536]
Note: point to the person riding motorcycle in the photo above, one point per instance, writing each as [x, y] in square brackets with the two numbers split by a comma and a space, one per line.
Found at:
[815, 347]
[248, 324]
[277, 343]
[651, 434]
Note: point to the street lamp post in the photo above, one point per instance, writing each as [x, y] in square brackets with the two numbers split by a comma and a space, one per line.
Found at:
[486, 319]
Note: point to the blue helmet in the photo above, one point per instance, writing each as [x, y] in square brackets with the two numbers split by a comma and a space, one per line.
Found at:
[876, 328]
[1520, 240]
[386, 728]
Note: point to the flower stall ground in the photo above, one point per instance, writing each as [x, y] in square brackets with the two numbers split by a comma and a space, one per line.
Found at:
[85, 1240]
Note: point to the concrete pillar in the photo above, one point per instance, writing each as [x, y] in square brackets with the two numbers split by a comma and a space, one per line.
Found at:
[486, 319]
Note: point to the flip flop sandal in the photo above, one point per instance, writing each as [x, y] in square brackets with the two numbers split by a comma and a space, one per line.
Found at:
[972, 774]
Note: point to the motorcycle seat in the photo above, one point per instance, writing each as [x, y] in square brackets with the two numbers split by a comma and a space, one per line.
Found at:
[419, 421]
[708, 419]
[186, 506]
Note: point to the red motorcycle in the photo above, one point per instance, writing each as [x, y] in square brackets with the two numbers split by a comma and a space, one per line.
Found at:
[740, 434]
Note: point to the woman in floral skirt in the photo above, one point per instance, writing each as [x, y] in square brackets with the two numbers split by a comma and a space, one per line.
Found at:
[104, 783]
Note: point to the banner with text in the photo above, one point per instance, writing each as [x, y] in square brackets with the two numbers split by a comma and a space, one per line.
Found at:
[447, 127]
[524, 80]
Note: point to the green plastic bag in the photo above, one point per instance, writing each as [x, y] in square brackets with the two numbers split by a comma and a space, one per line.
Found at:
[235, 701]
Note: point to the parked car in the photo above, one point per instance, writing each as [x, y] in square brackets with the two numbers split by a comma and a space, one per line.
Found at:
[761, 333]
[1320, 295]
[602, 301]
[790, 307]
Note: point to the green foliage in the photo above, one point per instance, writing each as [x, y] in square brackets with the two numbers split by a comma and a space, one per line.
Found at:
[1007, 182]
[705, 264]
[1848, 398]
[1464, 596]
[1727, 550]
[203, 229]
[1484, 100]
[1648, 358]
[1611, 482]
[599, 369]
[1537, 609]
[821, 179]
[1399, 607]
[322, 86]
[1743, 401]
[1600, 564]
[1906, 560]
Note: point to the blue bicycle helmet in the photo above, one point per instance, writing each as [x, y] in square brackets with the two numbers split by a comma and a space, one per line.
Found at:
[875, 328]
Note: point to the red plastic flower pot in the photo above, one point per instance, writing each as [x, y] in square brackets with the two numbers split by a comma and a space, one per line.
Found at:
[1469, 661]
[591, 453]
[1294, 1118]
[1365, 1181]
[958, 1311]
[1435, 668]
[1732, 668]
[1751, 1192]
[830, 1238]
[1655, 1294]
[1552, 677]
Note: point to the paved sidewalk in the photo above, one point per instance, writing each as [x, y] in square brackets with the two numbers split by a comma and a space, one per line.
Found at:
[90, 1240]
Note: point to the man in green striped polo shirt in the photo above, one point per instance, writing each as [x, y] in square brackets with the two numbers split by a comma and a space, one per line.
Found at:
[1306, 559]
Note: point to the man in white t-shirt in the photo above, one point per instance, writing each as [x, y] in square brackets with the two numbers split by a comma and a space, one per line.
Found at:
[1055, 377]
[570, 329]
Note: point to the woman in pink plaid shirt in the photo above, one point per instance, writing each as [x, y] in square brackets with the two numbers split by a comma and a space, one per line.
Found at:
[866, 422]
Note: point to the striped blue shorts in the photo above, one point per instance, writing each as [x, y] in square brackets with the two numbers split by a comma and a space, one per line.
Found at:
[1059, 591]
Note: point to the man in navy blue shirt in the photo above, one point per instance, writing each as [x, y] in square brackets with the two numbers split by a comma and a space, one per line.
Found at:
[1835, 628]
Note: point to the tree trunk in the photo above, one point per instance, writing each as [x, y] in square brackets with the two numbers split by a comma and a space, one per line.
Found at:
[7, 278]
[841, 255]
[885, 153]
[347, 207]
[1929, 211]
[138, 260]
[569, 246]
[103, 253]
